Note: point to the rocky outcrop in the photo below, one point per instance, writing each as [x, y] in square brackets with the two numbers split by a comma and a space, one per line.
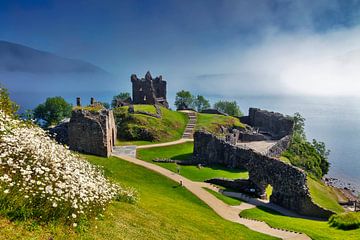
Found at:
[289, 183]
[149, 90]
[272, 123]
[60, 133]
[92, 132]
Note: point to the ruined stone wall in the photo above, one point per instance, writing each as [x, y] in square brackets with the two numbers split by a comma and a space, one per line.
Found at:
[148, 90]
[279, 147]
[289, 183]
[275, 124]
[92, 132]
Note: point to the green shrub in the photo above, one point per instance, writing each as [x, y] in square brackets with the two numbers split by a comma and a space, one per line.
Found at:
[345, 221]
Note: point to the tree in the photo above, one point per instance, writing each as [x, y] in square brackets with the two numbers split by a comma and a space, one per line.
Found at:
[6, 104]
[106, 105]
[324, 155]
[201, 103]
[299, 125]
[53, 110]
[121, 96]
[184, 99]
[229, 107]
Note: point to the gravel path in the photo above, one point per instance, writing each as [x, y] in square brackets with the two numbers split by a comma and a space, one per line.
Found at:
[230, 213]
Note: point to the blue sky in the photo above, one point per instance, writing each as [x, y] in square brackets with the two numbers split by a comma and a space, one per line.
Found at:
[200, 43]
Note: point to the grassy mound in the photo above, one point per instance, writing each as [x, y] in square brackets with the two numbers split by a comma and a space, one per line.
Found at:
[141, 127]
[184, 152]
[346, 221]
[317, 230]
[213, 122]
[323, 195]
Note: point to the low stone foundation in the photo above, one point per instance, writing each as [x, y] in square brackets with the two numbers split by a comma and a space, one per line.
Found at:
[289, 183]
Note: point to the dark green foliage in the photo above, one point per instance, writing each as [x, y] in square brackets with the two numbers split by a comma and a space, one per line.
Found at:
[105, 104]
[121, 96]
[229, 107]
[184, 99]
[53, 110]
[345, 221]
[201, 103]
[312, 157]
[6, 104]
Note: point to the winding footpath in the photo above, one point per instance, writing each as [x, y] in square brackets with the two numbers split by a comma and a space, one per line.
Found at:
[230, 213]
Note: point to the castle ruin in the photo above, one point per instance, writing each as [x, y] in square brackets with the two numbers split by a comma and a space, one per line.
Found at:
[258, 152]
[149, 90]
[92, 131]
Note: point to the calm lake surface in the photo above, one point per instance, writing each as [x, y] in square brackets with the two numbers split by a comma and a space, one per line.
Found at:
[335, 121]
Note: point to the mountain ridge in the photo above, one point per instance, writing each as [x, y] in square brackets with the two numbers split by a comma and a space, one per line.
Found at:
[16, 57]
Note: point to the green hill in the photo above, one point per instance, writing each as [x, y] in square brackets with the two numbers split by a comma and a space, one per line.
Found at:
[213, 122]
[145, 128]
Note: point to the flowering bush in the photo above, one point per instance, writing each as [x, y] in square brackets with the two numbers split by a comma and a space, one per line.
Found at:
[43, 180]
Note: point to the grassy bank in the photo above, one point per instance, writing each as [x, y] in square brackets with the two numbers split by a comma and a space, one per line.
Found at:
[184, 152]
[323, 195]
[213, 122]
[138, 129]
[318, 230]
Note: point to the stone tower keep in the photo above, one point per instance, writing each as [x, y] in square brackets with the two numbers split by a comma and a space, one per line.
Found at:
[149, 90]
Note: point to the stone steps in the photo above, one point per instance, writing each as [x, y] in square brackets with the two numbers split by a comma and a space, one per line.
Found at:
[190, 127]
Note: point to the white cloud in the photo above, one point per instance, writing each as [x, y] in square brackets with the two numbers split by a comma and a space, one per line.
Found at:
[290, 63]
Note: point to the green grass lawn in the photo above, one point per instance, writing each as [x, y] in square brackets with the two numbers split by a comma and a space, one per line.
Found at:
[212, 122]
[165, 211]
[228, 200]
[184, 152]
[145, 108]
[135, 128]
[324, 195]
[318, 230]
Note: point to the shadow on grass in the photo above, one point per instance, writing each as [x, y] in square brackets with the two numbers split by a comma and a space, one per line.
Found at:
[186, 156]
[232, 170]
[270, 211]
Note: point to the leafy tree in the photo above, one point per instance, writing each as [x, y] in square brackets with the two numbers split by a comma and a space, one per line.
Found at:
[6, 104]
[53, 110]
[299, 125]
[324, 155]
[106, 105]
[229, 107]
[184, 99]
[312, 157]
[28, 115]
[121, 96]
[201, 103]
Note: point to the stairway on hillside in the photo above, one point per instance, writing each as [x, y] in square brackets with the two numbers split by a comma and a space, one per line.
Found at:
[190, 127]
